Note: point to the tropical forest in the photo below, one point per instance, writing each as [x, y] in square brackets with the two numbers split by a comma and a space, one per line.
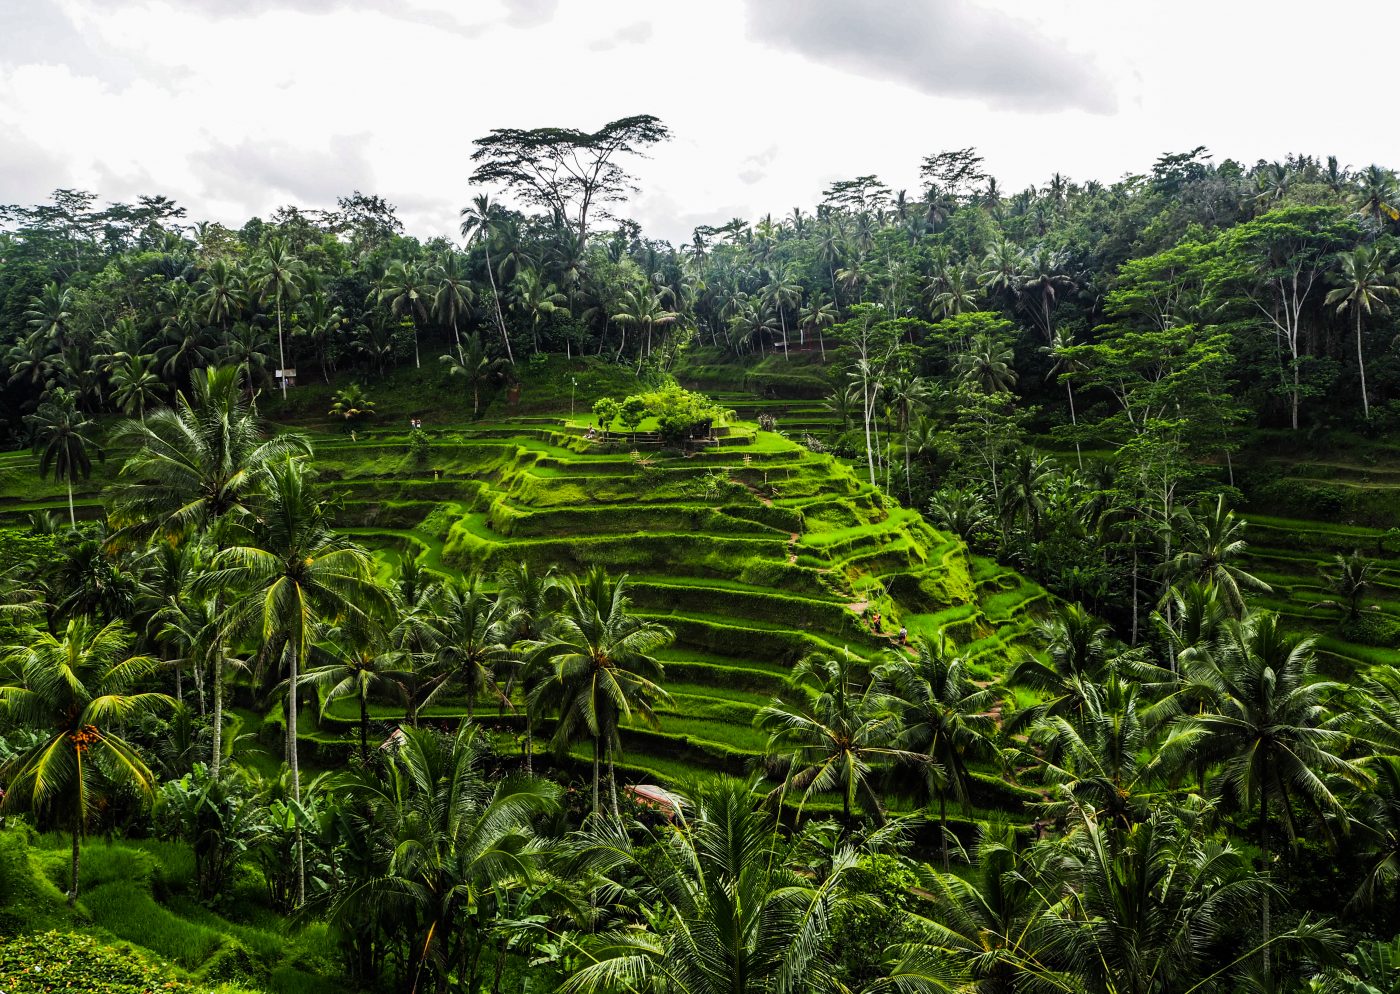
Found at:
[945, 589]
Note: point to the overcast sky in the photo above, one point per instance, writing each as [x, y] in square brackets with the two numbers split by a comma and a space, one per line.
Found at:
[234, 107]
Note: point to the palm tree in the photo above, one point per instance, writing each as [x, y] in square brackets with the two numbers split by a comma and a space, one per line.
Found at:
[1150, 908]
[63, 441]
[472, 648]
[50, 315]
[1354, 577]
[194, 467]
[1065, 364]
[476, 367]
[818, 314]
[986, 365]
[1209, 545]
[74, 690]
[294, 574]
[1270, 724]
[1377, 192]
[479, 223]
[1107, 761]
[278, 274]
[827, 733]
[352, 405]
[457, 844]
[528, 598]
[1079, 650]
[534, 299]
[1367, 280]
[1041, 283]
[222, 294]
[453, 295]
[361, 662]
[603, 669]
[642, 308]
[945, 717]
[740, 911]
[134, 385]
[781, 292]
[407, 292]
[988, 926]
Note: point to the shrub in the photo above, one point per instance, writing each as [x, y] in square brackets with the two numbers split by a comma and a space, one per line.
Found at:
[49, 962]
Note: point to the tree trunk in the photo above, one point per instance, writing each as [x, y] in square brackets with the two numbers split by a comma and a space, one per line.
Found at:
[218, 729]
[364, 729]
[1264, 848]
[281, 350]
[596, 774]
[1074, 422]
[612, 784]
[72, 515]
[73, 890]
[296, 771]
[1361, 366]
[496, 300]
[943, 826]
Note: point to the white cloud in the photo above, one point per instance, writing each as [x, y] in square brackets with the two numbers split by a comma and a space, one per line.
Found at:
[233, 108]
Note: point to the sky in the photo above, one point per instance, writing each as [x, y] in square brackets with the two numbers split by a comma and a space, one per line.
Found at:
[236, 107]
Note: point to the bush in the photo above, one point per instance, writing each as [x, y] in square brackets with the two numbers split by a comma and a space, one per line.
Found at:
[52, 962]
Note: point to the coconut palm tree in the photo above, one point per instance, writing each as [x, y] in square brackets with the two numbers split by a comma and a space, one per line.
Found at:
[601, 669]
[828, 733]
[1377, 192]
[534, 299]
[1041, 283]
[1065, 364]
[782, 291]
[64, 441]
[1270, 725]
[643, 308]
[278, 274]
[476, 367]
[819, 313]
[194, 467]
[528, 598]
[355, 659]
[1079, 649]
[50, 315]
[986, 365]
[135, 385]
[452, 293]
[291, 575]
[1368, 280]
[74, 688]
[1211, 544]
[1355, 576]
[457, 842]
[479, 223]
[472, 647]
[740, 910]
[945, 718]
[407, 291]
[222, 294]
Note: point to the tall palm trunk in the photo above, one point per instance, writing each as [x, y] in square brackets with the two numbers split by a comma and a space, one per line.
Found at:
[1074, 421]
[597, 776]
[218, 730]
[295, 768]
[73, 889]
[364, 729]
[281, 350]
[496, 300]
[1361, 366]
[72, 515]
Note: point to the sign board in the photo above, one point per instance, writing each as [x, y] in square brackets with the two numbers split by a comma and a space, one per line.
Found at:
[287, 373]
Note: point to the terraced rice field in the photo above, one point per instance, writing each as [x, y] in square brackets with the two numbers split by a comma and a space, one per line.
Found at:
[755, 552]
